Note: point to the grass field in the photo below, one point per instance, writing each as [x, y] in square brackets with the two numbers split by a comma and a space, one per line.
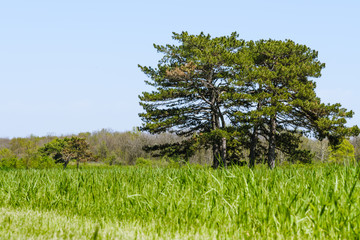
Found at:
[320, 202]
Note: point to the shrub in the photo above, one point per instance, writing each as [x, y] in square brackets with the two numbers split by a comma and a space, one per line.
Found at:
[143, 162]
[9, 160]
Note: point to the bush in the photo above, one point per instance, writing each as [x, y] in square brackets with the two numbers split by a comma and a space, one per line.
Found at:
[41, 162]
[143, 162]
[173, 164]
[9, 160]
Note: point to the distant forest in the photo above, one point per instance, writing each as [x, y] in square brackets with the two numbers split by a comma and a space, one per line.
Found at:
[129, 148]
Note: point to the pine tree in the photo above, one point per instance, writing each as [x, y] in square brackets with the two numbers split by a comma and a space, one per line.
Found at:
[283, 100]
[191, 82]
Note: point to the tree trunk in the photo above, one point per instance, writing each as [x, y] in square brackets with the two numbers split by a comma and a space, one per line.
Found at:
[77, 164]
[272, 144]
[254, 139]
[223, 152]
[218, 122]
[253, 143]
[65, 164]
[216, 156]
[215, 124]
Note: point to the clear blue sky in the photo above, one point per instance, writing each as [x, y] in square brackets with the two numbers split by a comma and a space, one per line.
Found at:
[71, 66]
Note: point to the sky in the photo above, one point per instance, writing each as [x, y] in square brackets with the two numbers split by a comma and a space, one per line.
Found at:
[71, 66]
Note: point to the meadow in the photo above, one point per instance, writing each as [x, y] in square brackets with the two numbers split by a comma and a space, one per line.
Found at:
[294, 202]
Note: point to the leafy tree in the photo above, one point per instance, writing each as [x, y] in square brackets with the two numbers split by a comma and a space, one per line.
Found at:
[191, 82]
[111, 159]
[102, 151]
[282, 100]
[343, 153]
[67, 149]
[9, 159]
[26, 150]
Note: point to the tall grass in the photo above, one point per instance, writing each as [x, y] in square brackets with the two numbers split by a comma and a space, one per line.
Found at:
[306, 202]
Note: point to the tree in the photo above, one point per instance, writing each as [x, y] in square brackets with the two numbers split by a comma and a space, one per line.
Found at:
[191, 82]
[8, 158]
[283, 103]
[344, 153]
[67, 149]
[25, 149]
[102, 151]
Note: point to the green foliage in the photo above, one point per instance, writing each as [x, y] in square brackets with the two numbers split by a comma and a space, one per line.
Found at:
[9, 160]
[32, 159]
[111, 159]
[190, 81]
[223, 93]
[143, 162]
[39, 161]
[103, 151]
[343, 153]
[282, 100]
[67, 149]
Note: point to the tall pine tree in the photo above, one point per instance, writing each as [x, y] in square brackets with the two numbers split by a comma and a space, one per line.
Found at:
[283, 101]
[191, 82]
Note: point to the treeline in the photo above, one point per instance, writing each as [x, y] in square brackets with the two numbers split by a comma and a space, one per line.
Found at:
[129, 148]
[107, 147]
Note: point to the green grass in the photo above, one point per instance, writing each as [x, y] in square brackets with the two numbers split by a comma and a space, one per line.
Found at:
[187, 203]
